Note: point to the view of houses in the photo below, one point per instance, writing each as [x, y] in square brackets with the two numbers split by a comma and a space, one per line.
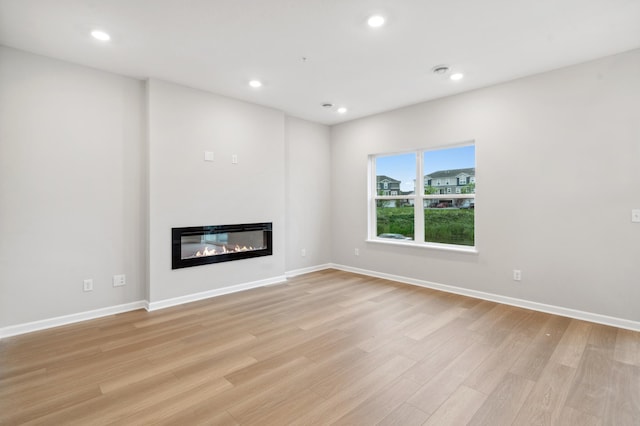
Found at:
[389, 186]
[449, 207]
[454, 181]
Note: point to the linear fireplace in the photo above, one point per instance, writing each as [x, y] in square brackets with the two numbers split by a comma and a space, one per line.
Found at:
[200, 245]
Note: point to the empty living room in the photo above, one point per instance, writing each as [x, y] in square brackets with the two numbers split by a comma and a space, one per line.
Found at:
[367, 212]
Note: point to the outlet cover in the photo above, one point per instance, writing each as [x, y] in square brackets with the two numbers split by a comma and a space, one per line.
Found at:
[87, 285]
[635, 215]
[119, 280]
[517, 275]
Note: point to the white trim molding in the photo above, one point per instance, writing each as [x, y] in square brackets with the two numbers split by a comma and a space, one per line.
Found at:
[14, 330]
[521, 303]
[302, 271]
[161, 304]
[17, 329]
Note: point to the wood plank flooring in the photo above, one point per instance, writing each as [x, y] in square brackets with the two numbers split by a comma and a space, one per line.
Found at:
[325, 348]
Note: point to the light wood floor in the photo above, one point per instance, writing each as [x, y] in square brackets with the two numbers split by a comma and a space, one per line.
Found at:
[325, 348]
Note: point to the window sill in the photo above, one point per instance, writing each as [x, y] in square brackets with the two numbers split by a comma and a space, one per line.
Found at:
[431, 246]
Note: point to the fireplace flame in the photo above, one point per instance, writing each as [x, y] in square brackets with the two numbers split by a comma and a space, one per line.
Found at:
[225, 250]
[206, 252]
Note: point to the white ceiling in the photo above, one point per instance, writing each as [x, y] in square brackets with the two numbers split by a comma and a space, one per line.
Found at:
[219, 45]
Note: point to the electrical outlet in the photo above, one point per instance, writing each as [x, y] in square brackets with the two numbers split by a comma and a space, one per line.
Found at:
[119, 280]
[303, 252]
[517, 275]
[87, 285]
[356, 252]
[635, 215]
[234, 159]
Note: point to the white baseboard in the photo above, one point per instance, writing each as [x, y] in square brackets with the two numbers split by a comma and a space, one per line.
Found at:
[535, 306]
[301, 271]
[17, 329]
[161, 304]
[14, 330]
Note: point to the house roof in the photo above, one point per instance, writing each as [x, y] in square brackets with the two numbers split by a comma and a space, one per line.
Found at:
[471, 171]
[380, 178]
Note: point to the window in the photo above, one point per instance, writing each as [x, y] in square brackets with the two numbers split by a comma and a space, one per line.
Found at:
[419, 214]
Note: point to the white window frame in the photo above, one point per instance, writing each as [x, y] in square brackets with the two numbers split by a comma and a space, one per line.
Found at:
[418, 201]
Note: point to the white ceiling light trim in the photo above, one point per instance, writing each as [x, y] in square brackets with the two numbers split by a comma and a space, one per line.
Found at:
[376, 21]
[100, 35]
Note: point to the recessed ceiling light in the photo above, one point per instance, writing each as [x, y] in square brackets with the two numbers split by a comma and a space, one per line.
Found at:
[327, 105]
[342, 110]
[100, 35]
[456, 76]
[255, 83]
[376, 21]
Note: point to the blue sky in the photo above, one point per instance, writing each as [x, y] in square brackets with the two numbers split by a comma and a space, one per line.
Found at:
[402, 166]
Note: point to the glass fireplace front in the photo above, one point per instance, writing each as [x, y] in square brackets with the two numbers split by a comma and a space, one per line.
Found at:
[200, 245]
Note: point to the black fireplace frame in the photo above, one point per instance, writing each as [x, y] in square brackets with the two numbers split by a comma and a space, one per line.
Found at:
[176, 243]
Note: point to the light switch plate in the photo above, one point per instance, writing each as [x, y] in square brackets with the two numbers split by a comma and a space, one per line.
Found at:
[635, 215]
[119, 280]
[208, 156]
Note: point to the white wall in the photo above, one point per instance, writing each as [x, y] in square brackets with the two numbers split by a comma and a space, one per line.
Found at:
[543, 146]
[97, 168]
[80, 182]
[71, 187]
[185, 190]
[308, 197]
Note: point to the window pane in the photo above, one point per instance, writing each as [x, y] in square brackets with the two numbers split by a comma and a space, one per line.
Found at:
[449, 221]
[394, 219]
[446, 201]
[396, 174]
[449, 169]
